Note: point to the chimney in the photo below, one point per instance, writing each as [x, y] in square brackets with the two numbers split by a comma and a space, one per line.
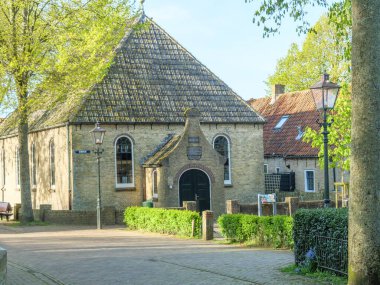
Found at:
[277, 90]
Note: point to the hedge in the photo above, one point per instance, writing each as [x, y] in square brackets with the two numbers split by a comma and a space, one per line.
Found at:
[269, 231]
[174, 222]
[309, 223]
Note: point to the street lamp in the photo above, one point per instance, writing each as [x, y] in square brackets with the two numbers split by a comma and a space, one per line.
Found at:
[98, 135]
[325, 93]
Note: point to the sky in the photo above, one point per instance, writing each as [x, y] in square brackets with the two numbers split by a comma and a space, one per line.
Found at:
[221, 35]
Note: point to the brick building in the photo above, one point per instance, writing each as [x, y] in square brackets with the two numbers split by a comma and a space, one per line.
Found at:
[149, 151]
[288, 115]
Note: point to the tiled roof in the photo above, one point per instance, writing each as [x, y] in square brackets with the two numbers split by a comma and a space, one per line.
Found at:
[162, 151]
[300, 108]
[153, 79]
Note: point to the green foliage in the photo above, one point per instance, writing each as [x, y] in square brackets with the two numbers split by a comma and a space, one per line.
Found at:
[321, 277]
[269, 231]
[270, 15]
[57, 48]
[319, 222]
[339, 133]
[320, 52]
[174, 222]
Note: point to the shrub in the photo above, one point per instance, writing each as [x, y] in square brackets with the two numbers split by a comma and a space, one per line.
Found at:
[174, 222]
[331, 223]
[273, 231]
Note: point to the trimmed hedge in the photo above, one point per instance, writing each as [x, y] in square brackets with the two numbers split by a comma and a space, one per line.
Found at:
[174, 222]
[269, 231]
[309, 223]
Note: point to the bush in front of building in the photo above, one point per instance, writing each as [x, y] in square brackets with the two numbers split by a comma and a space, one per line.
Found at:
[158, 220]
[268, 231]
[321, 229]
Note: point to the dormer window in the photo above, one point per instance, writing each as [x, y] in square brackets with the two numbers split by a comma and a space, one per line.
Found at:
[300, 133]
[281, 122]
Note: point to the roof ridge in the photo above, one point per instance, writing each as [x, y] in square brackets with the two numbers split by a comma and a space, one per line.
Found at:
[213, 74]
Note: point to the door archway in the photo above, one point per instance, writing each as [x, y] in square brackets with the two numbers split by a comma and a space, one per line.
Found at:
[194, 185]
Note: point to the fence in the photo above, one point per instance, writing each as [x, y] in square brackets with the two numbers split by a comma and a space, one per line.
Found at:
[334, 260]
[279, 181]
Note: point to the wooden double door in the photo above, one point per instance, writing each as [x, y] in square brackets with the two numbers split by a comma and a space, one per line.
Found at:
[194, 185]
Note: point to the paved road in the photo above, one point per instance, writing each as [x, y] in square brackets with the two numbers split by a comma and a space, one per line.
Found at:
[82, 255]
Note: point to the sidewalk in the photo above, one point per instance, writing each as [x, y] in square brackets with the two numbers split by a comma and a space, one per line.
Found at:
[83, 255]
[22, 275]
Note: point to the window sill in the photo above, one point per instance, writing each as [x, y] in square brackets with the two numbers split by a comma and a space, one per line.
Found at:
[229, 185]
[131, 188]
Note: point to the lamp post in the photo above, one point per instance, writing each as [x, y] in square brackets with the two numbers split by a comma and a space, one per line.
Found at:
[98, 135]
[324, 94]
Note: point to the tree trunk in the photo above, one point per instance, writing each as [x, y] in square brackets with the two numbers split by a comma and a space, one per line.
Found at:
[24, 174]
[364, 213]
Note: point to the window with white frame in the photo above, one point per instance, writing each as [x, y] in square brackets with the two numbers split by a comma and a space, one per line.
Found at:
[124, 162]
[154, 184]
[222, 146]
[33, 166]
[309, 181]
[17, 159]
[265, 168]
[52, 164]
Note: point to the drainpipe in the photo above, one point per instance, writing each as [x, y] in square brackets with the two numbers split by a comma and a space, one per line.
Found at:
[68, 164]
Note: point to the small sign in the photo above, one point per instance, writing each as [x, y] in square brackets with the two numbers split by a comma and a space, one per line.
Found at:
[82, 151]
[194, 152]
[193, 140]
[266, 199]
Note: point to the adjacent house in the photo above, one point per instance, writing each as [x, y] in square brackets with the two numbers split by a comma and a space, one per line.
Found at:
[287, 115]
[174, 132]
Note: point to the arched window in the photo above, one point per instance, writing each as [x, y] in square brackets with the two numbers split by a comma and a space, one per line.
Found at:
[52, 164]
[154, 184]
[124, 162]
[222, 146]
[33, 168]
[17, 158]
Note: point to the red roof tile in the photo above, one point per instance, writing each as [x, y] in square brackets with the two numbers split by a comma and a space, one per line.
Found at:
[300, 108]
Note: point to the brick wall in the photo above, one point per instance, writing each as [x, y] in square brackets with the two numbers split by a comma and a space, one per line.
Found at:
[283, 208]
[42, 192]
[246, 161]
[110, 216]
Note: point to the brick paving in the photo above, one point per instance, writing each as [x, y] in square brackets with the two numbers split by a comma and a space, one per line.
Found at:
[83, 255]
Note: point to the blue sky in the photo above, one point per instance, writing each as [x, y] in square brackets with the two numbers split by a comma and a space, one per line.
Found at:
[222, 36]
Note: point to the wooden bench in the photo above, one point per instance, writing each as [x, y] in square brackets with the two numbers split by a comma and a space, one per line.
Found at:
[5, 210]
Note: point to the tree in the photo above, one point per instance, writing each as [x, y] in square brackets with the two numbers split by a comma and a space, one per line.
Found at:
[364, 214]
[322, 50]
[50, 50]
[339, 132]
